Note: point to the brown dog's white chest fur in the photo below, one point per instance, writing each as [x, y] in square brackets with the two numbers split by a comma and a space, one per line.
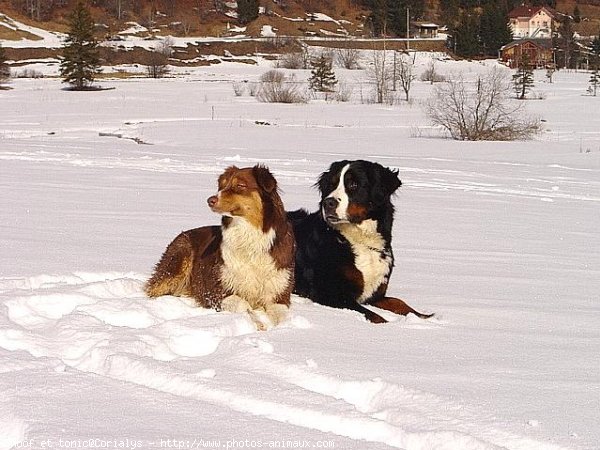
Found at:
[249, 271]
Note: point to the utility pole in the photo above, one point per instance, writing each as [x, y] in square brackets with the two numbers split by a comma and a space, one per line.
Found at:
[407, 28]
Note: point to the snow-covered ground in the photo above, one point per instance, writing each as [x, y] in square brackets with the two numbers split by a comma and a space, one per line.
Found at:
[500, 240]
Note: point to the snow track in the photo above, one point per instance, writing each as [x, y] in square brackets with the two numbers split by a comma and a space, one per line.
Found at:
[102, 324]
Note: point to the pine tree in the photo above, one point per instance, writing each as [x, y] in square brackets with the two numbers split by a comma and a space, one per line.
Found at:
[595, 51]
[4, 69]
[322, 77]
[594, 82]
[378, 18]
[595, 47]
[80, 60]
[566, 43]
[576, 14]
[247, 10]
[523, 78]
[466, 36]
[494, 29]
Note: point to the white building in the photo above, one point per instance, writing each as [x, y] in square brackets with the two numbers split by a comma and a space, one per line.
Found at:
[532, 22]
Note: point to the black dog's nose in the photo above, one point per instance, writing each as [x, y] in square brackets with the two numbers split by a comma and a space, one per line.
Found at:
[330, 204]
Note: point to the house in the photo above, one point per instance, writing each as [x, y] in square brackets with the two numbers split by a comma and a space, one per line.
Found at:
[427, 29]
[539, 52]
[532, 22]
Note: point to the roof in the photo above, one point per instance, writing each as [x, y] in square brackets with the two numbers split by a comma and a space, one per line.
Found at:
[428, 25]
[542, 43]
[529, 11]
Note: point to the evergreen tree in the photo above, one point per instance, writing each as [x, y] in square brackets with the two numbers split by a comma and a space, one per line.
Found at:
[566, 44]
[450, 12]
[4, 69]
[466, 36]
[80, 60]
[523, 78]
[322, 77]
[594, 82]
[595, 47]
[247, 10]
[494, 29]
[397, 17]
[389, 16]
[576, 14]
[379, 16]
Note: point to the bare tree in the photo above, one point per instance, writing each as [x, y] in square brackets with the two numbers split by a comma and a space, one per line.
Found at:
[405, 74]
[481, 110]
[157, 60]
[347, 57]
[381, 74]
[431, 74]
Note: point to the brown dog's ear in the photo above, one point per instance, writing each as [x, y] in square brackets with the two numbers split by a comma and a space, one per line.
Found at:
[266, 181]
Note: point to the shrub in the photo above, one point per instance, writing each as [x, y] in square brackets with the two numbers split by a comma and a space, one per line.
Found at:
[432, 75]
[481, 111]
[275, 87]
[294, 60]
[343, 92]
[347, 58]
[238, 89]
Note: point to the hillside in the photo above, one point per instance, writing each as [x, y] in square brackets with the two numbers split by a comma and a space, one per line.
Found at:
[218, 18]
[195, 18]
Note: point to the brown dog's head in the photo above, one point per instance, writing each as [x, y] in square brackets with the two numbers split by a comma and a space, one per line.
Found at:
[250, 193]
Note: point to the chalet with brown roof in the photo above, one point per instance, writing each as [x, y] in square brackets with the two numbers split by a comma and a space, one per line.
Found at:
[538, 52]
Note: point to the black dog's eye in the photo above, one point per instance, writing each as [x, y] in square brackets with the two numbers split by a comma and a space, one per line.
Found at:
[352, 185]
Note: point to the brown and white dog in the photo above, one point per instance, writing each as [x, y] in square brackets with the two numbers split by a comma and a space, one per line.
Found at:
[246, 264]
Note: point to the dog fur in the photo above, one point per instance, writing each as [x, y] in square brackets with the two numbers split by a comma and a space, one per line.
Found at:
[344, 255]
[246, 263]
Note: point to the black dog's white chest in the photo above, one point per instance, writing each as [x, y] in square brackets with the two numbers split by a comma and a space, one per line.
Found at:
[371, 257]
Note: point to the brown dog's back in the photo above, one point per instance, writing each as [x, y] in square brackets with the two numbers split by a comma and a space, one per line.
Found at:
[193, 252]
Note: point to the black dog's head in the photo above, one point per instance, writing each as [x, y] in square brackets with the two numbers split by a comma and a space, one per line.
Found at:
[354, 191]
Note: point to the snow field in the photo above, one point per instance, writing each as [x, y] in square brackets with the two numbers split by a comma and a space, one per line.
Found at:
[499, 239]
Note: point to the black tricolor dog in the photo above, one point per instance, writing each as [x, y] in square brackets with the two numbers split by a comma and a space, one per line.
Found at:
[344, 254]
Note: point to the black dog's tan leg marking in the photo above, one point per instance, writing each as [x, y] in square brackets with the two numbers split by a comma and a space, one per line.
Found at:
[398, 306]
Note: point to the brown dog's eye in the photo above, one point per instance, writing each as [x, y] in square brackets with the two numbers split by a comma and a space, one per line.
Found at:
[241, 187]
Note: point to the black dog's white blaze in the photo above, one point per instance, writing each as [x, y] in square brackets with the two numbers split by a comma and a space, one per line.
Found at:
[340, 194]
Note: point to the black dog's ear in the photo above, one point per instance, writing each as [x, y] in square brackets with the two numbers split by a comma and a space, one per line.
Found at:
[390, 180]
[324, 181]
[266, 181]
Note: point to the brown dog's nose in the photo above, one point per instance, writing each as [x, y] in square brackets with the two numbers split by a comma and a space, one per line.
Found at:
[212, 200]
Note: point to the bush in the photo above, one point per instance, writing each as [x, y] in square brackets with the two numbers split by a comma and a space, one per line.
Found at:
[29, 73]
[272, 76]
[294, 60]
[275, 87]
[347, 58]
[481, 111]
[432, 75]
[238, 89]
[343, 92]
